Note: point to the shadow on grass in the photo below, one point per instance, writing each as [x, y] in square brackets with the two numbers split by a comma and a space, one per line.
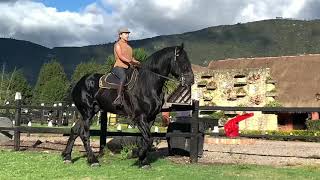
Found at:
[78, 158]
[154, 155]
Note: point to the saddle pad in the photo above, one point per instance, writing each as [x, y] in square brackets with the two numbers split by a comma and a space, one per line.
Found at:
[110, 81]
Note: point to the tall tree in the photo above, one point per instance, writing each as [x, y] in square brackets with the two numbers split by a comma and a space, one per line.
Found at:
[54, 90]
[52, 76]
[12, 82]
[19, 83]
[109, 63]
[140, 54]
[87, 68]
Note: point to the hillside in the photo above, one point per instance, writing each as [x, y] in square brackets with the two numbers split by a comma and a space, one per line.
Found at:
[254, 39]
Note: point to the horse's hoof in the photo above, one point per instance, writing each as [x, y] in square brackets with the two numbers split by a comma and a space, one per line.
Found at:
[95, 165]
[146, 167]
[67, 161]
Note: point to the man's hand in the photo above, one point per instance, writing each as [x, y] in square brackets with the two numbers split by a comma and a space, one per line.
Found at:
[135, 63]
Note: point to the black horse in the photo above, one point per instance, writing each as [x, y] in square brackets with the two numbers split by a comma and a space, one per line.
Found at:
[142, 103]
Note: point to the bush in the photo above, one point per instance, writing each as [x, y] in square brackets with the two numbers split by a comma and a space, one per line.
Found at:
[217, 115]
[273, 104]
[281, 133]
[313, 125]
[127, 151]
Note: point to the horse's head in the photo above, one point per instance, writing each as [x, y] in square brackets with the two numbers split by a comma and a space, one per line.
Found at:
[181, 66]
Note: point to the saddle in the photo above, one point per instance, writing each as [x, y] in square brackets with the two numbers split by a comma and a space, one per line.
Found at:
[111, 81]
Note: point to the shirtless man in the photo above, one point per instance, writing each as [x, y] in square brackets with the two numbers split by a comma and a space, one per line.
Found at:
[123, 59]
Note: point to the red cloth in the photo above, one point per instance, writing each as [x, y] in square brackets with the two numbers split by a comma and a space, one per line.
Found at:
[231, 128]
[165, 118]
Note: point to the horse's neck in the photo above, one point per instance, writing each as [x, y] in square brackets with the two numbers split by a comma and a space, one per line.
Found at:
[151, 71]
[151, 81]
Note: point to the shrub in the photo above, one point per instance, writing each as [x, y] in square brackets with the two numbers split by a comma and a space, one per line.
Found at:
[127, 151]
[217, 115]
[313, 125]
[273, 104]
[281, 133]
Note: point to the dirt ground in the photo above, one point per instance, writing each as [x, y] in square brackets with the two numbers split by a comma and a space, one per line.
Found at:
[260, 152]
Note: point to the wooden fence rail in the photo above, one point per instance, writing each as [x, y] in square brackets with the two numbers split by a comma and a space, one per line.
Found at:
[103, 133]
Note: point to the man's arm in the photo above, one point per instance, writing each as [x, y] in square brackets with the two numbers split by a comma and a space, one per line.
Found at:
[120, 55]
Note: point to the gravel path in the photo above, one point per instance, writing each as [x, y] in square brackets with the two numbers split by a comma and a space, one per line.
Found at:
[264, 152]
[261, 152]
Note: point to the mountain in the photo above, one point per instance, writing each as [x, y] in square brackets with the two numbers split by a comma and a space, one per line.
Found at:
[273, 37]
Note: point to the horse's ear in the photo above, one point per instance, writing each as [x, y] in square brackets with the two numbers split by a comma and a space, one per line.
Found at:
[182, 45]
[179, 48]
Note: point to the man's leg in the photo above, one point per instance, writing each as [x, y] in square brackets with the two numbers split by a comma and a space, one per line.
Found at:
[122, 76]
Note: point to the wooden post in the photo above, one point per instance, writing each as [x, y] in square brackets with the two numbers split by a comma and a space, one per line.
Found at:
[103, 131]
[42, 114]
[194, 139]
[17, 124]
[60, 114]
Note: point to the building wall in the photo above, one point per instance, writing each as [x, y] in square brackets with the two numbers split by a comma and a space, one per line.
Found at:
[238, 87]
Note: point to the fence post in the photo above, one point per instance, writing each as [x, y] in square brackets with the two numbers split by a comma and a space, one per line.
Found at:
[42, 114]
[194, 139]
[17, 122]
[103, 130]
[59, 111]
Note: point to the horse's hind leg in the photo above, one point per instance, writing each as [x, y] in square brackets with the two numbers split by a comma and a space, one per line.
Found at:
[75, 131]
[144, 128]
[85, 137]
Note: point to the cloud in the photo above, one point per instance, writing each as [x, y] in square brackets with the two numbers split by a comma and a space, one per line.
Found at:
[310, 10]
[98, 22]
[45, 25]
[176, 16]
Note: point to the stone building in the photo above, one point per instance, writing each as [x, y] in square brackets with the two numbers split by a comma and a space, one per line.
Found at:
[289, 81]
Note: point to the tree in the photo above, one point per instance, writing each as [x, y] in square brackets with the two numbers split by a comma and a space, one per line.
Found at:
[20, 84]
[52, 76]
[140, 54]
[87, 68]
[109, 63]
[54, 90]
[12, 82]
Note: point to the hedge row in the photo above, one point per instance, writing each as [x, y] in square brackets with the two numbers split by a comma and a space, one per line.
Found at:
[281, 133]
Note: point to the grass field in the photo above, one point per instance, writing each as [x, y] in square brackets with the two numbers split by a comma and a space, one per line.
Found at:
[40, 165]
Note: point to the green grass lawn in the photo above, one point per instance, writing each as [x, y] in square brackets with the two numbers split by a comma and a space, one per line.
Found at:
[40, 165]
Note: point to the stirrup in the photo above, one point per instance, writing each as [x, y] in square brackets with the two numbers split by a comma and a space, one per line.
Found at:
[117, 101]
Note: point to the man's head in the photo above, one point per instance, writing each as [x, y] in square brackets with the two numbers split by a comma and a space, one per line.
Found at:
[124, 33]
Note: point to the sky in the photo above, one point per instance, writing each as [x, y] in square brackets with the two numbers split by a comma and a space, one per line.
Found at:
[57, 23]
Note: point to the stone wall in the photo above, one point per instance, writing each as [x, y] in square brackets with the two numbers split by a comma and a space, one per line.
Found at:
[238, 87]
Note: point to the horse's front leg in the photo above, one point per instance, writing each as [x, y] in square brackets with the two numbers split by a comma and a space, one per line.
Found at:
[144, 128]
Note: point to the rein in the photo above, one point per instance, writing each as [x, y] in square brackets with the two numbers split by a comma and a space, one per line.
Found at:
[165, 77]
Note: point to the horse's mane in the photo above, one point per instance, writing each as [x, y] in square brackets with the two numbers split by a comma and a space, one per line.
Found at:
[156, 60]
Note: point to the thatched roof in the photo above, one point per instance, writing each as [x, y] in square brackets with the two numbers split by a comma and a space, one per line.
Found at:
[197, 68]
[298, 77]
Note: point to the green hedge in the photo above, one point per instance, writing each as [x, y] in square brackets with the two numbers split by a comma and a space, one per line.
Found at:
[313, 125]
[282, 133]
